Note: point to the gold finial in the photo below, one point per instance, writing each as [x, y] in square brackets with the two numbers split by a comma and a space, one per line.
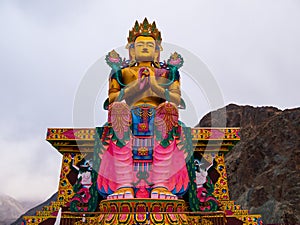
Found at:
[144, 29]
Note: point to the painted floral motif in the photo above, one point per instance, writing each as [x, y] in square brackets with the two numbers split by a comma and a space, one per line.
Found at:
[175, 60]
[113, 59]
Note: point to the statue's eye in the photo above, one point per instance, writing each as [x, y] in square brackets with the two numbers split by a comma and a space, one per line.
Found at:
[150, 45]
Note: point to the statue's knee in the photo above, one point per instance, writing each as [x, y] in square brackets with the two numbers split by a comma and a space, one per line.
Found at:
[166, 116]
[118, 110]
[167, 108]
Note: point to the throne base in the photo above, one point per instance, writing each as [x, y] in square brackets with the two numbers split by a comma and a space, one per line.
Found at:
[142, 211]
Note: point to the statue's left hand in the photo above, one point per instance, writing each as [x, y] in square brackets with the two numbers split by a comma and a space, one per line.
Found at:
[153, 83]
[143, 76]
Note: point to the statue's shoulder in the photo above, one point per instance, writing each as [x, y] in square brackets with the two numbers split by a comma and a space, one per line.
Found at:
[126, 69]
[120, 67]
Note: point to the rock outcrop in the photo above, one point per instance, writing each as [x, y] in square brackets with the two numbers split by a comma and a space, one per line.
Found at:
[263, 168]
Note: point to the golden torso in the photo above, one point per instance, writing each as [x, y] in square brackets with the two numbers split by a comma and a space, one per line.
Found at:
[144, 52]
[130, 74]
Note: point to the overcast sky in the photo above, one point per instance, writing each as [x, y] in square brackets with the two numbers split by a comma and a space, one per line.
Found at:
[251, 48]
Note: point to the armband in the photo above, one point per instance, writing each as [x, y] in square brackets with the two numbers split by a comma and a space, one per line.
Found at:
[121, 95]
[167, 95]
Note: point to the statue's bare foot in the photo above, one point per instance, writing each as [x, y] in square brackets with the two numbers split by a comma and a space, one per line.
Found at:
[122, 193]
[162, 193]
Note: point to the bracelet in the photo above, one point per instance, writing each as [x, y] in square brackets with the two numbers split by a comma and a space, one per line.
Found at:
[121, 95]
[167, 95]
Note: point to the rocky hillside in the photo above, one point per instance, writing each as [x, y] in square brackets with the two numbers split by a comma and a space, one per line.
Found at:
[10, 209]
[264, 167]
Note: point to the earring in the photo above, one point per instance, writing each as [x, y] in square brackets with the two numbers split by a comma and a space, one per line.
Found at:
[132, 62]
[156, 64]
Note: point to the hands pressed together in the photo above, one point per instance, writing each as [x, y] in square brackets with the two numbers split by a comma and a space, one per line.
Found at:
[145, 81]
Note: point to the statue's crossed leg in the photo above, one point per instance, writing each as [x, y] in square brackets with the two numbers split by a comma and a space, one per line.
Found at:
[120, 119]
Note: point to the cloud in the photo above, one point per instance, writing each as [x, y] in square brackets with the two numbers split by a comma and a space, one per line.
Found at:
[30, 168]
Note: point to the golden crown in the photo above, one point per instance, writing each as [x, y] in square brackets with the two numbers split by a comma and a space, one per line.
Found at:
[144, 29]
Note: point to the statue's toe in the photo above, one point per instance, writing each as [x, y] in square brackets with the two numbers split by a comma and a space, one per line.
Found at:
[128, 194]
[162, 193]
[122, 193]
[112, 196]
[154, 194]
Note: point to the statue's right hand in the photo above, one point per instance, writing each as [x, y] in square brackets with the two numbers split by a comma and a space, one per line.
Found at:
[143, 72]
[132, 88]
[143, 77]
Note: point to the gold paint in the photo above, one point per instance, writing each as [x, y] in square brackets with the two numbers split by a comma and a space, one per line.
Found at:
[144, 49]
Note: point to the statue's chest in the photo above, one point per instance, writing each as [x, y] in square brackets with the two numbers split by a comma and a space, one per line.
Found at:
[131, 74]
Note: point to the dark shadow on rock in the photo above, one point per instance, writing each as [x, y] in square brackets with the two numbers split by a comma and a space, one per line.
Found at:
[263, 168]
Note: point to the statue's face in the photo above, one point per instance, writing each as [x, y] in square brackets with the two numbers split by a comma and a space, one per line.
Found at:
[144, 48]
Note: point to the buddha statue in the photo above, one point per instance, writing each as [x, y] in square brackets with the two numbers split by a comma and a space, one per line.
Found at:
[142, 158]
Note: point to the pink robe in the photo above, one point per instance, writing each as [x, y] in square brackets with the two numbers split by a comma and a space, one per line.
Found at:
[167, 169]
